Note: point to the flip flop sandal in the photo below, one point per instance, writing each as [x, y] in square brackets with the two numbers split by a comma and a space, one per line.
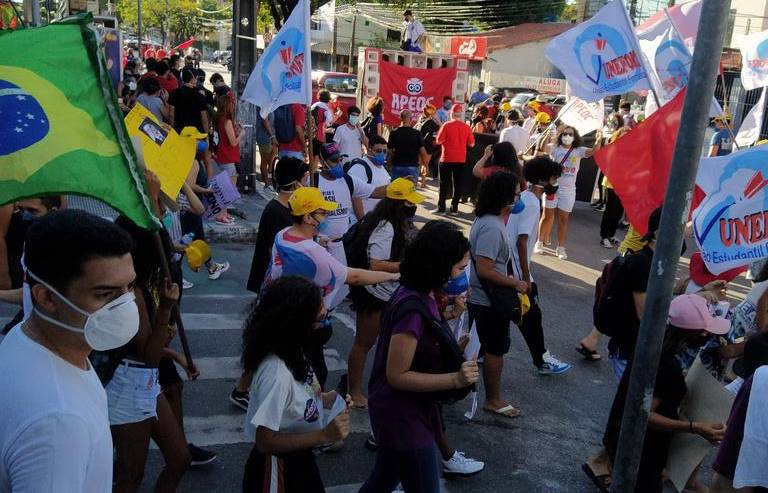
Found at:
[603, 481]
[588, 354]
[508, 411]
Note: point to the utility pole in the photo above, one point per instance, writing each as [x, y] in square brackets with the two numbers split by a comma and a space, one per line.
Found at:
[244, 14]
[36, 19]
[138, 27]
[352, 43]
[693, 122]
[633, 11]
[333, 39]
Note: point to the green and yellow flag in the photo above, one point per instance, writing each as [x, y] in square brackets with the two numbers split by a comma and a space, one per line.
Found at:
[61, 131]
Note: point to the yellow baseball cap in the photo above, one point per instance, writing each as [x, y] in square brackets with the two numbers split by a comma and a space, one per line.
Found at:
[533, 105]
[309, 199]
[404, 189]
[542, 117]
[193, 132]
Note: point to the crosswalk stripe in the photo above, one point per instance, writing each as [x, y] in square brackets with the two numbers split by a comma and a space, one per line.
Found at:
[212, 368]
[212, 321]
[227, 429]
[354, 488]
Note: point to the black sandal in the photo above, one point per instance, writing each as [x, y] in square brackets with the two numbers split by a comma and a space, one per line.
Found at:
[589, 354]
[603, 481]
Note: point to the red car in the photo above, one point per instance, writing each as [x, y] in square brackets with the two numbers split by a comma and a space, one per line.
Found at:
[343, 88]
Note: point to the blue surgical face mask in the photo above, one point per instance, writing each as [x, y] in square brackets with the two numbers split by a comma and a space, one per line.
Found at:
[354, 119]
[322, 227]
[457, 285]
[379, 159]
[336, 170]
[202, 145]
[27, 216]
[518, 207]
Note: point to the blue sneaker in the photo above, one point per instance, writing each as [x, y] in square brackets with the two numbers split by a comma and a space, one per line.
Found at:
[552, 365]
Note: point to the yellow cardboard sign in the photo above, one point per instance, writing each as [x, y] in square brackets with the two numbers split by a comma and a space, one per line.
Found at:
[168, 154]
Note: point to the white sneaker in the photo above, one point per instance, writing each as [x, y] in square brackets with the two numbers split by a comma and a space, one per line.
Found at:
[552, 365]
[560, 252]
[218, 270]
[606, 243]
[459, 465]
[538, 248]
[186, 284]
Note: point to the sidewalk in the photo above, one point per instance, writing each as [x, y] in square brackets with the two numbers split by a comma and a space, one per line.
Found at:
[243, 230]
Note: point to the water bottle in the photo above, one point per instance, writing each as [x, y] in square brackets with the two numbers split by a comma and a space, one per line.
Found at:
[187, 239]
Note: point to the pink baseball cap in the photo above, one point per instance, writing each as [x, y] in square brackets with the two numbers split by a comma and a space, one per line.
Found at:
[690, 311]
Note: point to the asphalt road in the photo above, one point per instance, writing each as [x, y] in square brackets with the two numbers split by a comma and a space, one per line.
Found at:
[563, 416]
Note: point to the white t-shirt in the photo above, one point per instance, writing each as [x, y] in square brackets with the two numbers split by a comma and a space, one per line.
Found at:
[54, 428]
[528, 124]
[379, 177]
[526, 222]
[413, 30]
[567, 180]
[350, 141]
[339, 220]
[380, 248]
[280, 403]
[517, 136]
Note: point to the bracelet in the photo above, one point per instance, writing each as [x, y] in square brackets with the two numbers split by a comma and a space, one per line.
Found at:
[690, 425]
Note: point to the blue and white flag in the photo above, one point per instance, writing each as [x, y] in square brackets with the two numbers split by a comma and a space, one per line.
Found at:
[600, 57]
[731, 223]
[283, 73]
[754, 60]
[668, 57]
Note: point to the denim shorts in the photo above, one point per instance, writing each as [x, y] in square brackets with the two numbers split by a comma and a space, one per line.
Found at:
[132, 394]
[230, 168]
[296, 154]
[404, 172]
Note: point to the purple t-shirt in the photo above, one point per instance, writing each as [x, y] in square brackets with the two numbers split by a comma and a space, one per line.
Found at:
[405, 420]
[728, 453]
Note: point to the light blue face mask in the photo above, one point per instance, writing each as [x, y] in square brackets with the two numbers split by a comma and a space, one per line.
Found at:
[322, 228]
[518, 207]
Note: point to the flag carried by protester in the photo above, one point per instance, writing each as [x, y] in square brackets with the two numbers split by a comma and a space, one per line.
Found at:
[685, 18]
[754, 60]
[749, 131]
[600, 57]
[650, 147]
[283, 73]
[730, 224]
[62, 131]
[583, 116]
[668, 57]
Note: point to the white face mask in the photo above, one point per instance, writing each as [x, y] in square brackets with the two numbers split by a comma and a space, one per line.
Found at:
[567, 140]
[111, 326]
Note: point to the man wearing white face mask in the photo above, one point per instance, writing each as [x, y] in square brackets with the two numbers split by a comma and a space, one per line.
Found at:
[350, 137]
[54, 429]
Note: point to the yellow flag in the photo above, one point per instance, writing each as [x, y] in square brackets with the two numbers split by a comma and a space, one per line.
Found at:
[168, 154]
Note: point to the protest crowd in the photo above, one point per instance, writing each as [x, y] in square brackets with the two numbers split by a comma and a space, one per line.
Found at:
[90, 377]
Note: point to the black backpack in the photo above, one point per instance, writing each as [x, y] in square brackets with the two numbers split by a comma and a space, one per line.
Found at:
[369, 129]
[451, 355]
[285, 130]
[368, 171]
[609, 310]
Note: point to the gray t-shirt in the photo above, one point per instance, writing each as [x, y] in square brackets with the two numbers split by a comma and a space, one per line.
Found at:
[153, 103]
[487, 238]
[380, 248]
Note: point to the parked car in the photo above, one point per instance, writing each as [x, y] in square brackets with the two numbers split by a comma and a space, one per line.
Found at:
[343, 89]
[557, 102]
[521, 99]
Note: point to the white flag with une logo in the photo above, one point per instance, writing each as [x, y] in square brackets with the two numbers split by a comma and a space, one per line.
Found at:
[283, 73]
[600, 57]
[754, 60]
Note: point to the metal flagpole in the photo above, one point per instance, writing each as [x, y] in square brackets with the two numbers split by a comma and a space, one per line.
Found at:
[693, 122]
[553, 124]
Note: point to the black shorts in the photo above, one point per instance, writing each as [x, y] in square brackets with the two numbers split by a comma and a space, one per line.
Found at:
[294, 472]
[168, 375]
[362, 300]
[316, 144]
[492, 331]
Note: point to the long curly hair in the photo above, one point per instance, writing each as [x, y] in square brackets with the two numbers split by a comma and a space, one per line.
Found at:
[394, 212]
[281, 323]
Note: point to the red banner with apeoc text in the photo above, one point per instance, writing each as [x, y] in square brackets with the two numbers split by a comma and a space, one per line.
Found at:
[412, 88]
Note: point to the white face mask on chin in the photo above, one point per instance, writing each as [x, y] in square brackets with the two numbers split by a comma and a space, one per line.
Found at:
[111, 326]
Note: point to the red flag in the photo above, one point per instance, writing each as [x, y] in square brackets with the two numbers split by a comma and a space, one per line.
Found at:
[186, 44]
[638, 164]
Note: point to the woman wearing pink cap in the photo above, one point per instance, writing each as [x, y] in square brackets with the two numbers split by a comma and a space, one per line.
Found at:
[689, 325]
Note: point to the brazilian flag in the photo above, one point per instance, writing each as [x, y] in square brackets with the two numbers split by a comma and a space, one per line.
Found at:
[61, 130]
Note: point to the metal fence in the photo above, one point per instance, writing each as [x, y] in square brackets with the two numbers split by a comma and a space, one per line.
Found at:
[739, 100]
